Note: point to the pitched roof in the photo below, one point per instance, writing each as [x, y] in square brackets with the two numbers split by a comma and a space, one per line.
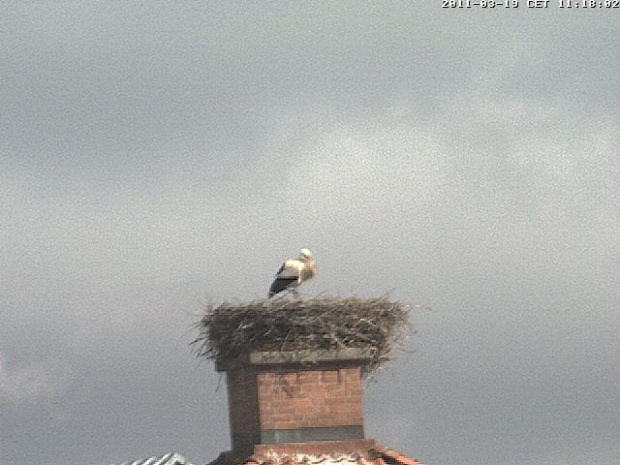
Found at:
[358, 452]
[388, 457]
[303, 459]
[391, 457]
[166, 459]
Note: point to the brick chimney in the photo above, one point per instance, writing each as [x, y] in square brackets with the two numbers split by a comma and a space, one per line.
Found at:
[294, 371]
[279, 398]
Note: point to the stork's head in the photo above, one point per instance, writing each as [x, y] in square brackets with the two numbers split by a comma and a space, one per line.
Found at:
[305, 254]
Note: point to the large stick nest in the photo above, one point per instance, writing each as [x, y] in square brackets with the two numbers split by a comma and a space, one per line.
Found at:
[230, 330]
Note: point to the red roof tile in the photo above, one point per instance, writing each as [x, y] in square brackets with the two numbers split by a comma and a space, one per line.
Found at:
[360, 452]
[391, 457]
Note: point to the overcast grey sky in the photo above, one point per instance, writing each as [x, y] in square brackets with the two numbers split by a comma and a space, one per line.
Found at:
[158, 155]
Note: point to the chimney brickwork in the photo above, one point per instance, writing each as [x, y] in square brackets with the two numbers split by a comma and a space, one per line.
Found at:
[310, 399]
[283, 401]
[243, 408]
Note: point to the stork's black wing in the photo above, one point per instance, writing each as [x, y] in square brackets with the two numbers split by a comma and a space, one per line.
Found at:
[285, 277]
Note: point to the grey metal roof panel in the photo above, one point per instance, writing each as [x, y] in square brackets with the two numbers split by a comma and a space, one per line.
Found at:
[166, 459]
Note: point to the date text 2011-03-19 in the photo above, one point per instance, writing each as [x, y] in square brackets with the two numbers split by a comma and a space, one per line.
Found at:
[536, 4]
[480, 3]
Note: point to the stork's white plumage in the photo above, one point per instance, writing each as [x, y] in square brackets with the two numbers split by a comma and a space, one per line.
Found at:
[293, 272]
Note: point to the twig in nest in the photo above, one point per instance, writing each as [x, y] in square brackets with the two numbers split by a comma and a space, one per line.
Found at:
[229, 330]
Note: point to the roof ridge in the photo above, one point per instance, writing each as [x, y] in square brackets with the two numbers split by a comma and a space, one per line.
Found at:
[392, 457]
[170, 458]
[339, 457]
[378, 457]
[365, 452]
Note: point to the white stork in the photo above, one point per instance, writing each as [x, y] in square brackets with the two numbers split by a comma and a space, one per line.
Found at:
[293, 272]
